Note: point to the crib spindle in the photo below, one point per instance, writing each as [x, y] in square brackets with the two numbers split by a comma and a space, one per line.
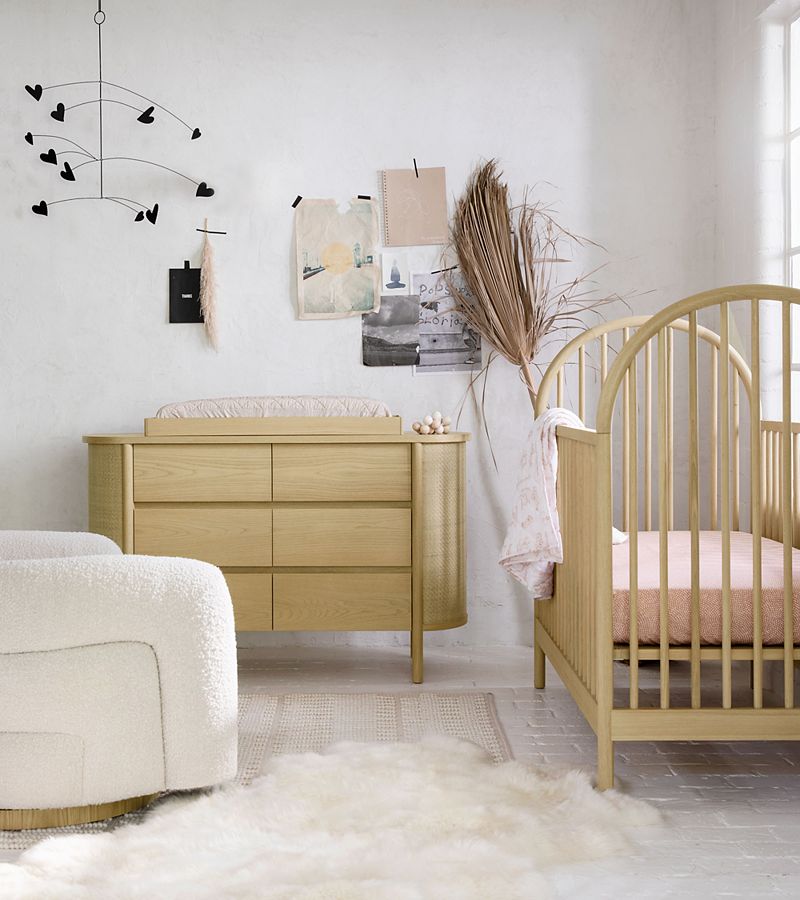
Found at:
[795, 489]
[694, 511]
[560, 387]
[786, 509]
[756, 494]
[725, 512]
[765, 457]
[648, 436]
[713, 459]
[582, 383]
[663, 522]
[671, 422]
[633, 538]
[603, 358]
[626, 443]
[775, 500]
[735, 452]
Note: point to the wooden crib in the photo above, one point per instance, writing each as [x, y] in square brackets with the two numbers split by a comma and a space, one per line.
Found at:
[677, 461]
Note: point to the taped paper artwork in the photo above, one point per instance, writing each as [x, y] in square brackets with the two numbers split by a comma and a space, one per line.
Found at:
[446, 342]
[338, 271]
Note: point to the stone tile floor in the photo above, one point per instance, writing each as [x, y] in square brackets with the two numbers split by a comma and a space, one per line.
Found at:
[731, 811]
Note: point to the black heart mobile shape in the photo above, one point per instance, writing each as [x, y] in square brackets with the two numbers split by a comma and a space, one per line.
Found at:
[106, 94]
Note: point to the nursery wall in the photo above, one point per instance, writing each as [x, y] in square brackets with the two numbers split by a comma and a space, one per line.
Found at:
[607, 106]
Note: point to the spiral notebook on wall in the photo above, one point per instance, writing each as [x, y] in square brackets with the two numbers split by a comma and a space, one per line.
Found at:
[414, 209]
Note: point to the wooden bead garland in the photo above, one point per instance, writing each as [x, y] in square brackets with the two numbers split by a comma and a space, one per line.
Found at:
[432, 424]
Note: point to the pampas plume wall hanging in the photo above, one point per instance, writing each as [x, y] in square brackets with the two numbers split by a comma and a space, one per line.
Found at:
[208, 290]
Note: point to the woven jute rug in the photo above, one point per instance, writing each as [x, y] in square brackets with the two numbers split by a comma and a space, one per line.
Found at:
[300, 723]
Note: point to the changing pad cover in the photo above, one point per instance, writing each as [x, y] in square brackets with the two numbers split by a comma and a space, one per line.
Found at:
[259, 407]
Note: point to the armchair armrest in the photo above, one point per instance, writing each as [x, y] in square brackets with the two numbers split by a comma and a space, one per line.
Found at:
[181, 608]
[51, 544]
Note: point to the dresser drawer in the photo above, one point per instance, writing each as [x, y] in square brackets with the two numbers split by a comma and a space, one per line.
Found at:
[202, 472]
[342, 537]
[251, 593]
[342, 602]
[341, 472]
[224, 536]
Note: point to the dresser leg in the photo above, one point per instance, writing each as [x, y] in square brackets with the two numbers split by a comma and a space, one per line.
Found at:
[416, 656]
[417, 519]
[539, 661]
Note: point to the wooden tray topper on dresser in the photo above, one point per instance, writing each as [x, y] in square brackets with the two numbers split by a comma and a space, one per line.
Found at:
[330, 523]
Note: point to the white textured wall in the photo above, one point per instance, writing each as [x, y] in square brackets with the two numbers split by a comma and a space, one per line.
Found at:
[609, 101]
[750, 164]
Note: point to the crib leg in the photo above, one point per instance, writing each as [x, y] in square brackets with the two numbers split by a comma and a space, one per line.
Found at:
[539, 661]
[605, 764]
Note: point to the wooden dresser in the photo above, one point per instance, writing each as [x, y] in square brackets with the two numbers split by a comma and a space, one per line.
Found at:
[319, 524]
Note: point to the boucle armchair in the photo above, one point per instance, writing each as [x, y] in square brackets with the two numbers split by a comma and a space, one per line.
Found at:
[117, 678]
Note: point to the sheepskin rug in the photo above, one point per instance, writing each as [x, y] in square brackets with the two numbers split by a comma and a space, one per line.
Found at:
[435, 820]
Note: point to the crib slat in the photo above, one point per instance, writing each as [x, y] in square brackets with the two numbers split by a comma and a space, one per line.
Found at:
[694, 510]
[735, 451]
[560, 387]
[712, 481]
[786, 508]
[603, 358]
[633, 539]
[648, 435]
[582, 382]
[663, 521]
[765, 490]
[795, 489]
[775, 500]
[671, 422]
[756, 495]
[767, 496]
[725, 516]
[626, 441]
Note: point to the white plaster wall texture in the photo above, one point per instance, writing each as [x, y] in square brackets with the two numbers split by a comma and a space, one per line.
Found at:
[608, 106]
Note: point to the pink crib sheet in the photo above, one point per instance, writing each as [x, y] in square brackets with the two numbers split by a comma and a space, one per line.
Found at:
[680, 592]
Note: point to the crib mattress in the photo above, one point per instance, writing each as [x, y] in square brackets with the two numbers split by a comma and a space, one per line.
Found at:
[680, 589]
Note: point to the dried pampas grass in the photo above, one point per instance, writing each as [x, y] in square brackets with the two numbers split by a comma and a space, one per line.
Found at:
[507, 285]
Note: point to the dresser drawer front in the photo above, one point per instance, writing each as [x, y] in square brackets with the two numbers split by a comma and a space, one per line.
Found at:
[251, 593]
[202, 472]
[342, 537]
[223, 536]
[341, 472]
[342, 602]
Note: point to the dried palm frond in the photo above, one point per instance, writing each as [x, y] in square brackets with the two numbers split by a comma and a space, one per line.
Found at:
[507, 285]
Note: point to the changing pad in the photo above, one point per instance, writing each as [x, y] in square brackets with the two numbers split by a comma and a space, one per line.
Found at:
[259, 407]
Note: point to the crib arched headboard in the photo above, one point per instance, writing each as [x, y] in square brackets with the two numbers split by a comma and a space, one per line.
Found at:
[625, 329]
[575, 352]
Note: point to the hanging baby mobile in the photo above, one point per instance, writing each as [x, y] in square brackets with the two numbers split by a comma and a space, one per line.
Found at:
[91, 167]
